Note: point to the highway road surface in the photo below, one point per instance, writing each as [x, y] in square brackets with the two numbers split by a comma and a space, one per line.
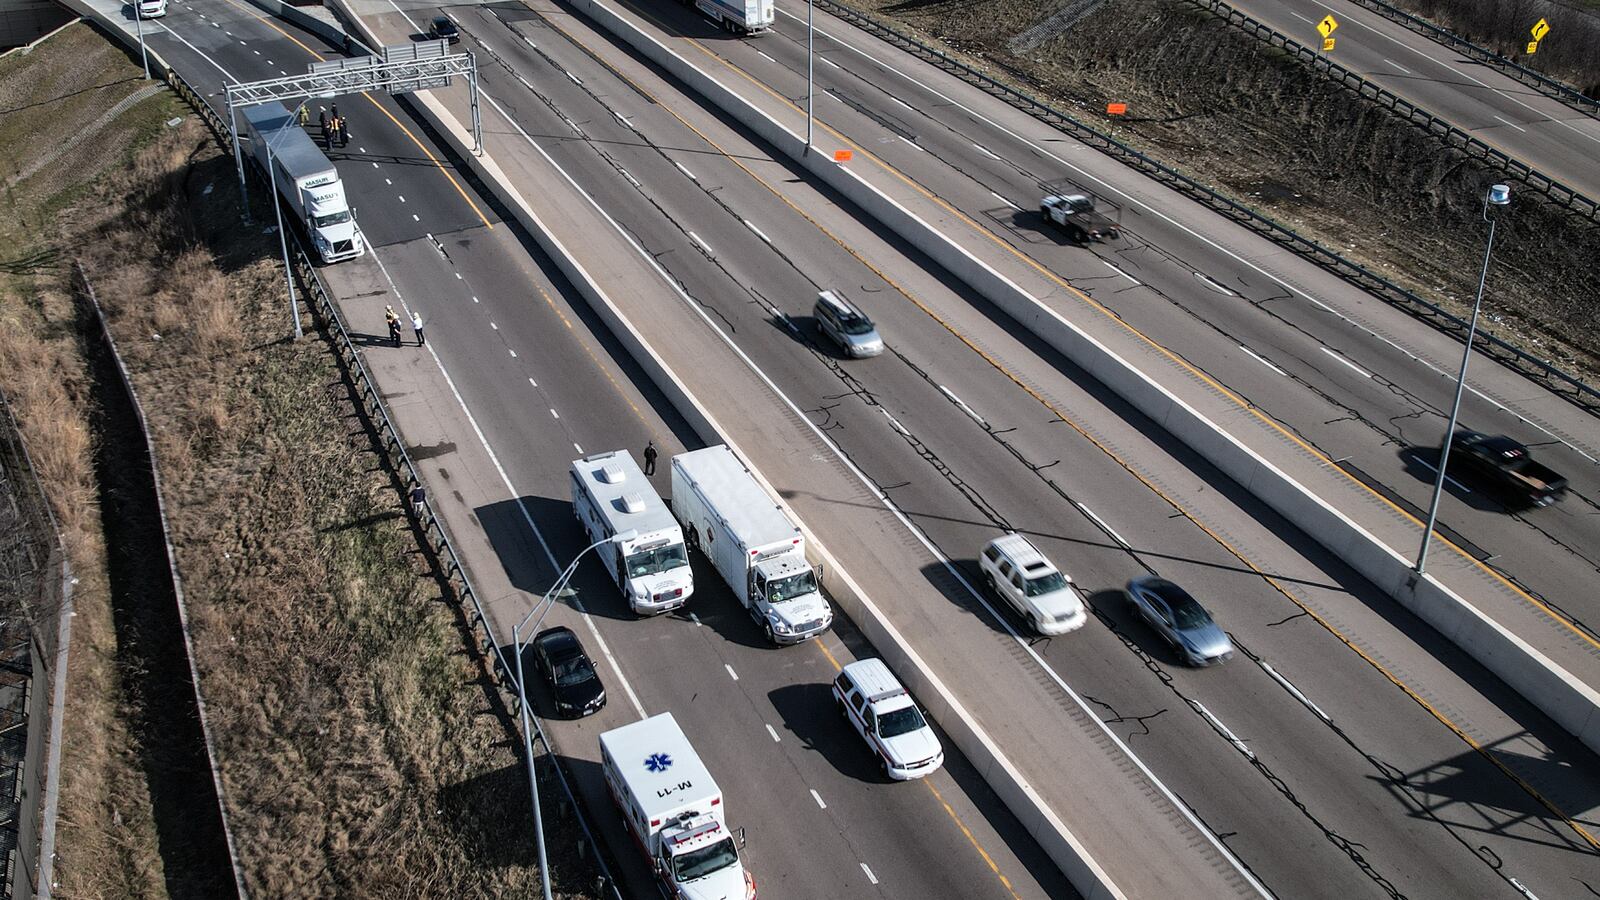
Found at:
[1313, 764]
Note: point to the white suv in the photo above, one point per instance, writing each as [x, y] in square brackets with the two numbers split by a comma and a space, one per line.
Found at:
[1019, 574]
[151, 9]
[881, 711]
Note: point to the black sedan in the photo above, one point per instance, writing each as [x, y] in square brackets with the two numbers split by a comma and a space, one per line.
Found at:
[561, 662]
[443, 29]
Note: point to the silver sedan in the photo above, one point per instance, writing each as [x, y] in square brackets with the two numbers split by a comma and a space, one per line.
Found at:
[1180, 620]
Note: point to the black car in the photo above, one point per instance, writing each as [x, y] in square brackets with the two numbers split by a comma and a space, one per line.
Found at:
[567, 670]
[444, 29]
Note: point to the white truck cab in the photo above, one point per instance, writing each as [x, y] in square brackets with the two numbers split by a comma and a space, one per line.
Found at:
[673, 809]
[610, 495]
[751, 541]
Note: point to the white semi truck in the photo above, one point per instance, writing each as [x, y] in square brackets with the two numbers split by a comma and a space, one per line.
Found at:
[750, 541]
[306, 179]
[746, 16]
[610, 496]
[673, 810]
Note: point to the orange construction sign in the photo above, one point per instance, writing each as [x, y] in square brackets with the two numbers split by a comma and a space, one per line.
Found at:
[1116, 109]
[842, 155]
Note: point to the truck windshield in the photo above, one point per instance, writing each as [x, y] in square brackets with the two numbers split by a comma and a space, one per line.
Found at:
[792, 587]
[654, 562]
[338, 218]
[702, 862]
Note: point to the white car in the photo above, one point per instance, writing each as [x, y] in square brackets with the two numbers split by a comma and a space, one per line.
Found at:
[883, 713]
[1019, 574]
[151, 9]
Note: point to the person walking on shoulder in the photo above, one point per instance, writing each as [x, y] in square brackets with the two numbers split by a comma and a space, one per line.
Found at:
[393, 319]
[650, 458]
[416, 326]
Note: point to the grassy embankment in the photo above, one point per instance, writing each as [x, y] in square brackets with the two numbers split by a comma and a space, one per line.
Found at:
[362, 751]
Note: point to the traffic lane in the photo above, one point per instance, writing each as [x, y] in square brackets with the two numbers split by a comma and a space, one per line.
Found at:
[383, 137]
[1555, 587]
[550, 510]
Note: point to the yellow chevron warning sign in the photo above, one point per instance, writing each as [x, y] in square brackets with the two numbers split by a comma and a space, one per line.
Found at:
[1539, 30]
[1329, 24]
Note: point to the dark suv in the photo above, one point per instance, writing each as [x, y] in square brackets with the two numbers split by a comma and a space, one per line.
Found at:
[443, 29]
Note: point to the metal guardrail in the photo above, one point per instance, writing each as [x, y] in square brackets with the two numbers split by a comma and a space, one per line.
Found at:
[1561, 383]
[1539, 81]
[431, 526]
[1447, 133]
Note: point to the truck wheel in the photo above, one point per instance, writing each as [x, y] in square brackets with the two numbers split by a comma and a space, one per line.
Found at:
[1079, 236]
[771, 638]
[1114, 234]
[692, 538]
[1044, 211]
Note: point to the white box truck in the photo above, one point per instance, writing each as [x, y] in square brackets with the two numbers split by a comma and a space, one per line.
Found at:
[744, 16]
[673, 810]
[611, 496]
[306, 179]
[750, 541]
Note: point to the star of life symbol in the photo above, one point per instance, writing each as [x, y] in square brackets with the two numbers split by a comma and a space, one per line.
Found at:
[658, 762]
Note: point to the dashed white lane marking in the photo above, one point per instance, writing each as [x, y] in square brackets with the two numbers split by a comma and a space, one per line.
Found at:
[387, 181]
[494, 326]
[903, 103]
[574, 79]
[964, 407]
[458, 276]
[530, 43]
[215, 25]
[818, 797]
[415, 218]
[1512, 124]
[514, 356]
[256, 52]
[1298, 16]
[695, 619]
[283, 73]
[474, 298]
[870, 877]
[731, 673]
[402, 197]
[554, 414]
[1360, 371]
[1120, 272]
[768, 57]
[531, 382]
[759, 233]
[1006, 202]
[1259, 359]
[701, 242]
[631, 180]
[774, 732]
[912, 143]
[894, 423]
[1289, 686]
[985, 151]
[578, 447]
[685, 171]
[375, 165]
[1102, 523]
[1214, 284]
[1226, 732]
[1398, 66]
[828, 62]
[618, 116]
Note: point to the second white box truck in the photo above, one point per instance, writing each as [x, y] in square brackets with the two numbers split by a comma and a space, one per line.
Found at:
[753, 544]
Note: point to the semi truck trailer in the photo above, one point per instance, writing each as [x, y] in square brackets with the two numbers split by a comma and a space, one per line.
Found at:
[306, 181]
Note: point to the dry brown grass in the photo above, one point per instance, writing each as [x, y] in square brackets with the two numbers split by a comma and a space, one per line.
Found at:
[359, 746]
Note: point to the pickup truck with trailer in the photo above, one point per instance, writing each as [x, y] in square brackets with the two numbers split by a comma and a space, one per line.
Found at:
[1078, 216]
[673, 811]
[751, 542]
[1504, 464]
[611, 496]
[306, 180]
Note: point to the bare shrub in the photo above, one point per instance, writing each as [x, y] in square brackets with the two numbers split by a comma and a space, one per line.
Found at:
[1570, 51]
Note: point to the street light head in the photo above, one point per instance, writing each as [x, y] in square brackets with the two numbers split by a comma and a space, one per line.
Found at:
[1499, 195]
[628, 535]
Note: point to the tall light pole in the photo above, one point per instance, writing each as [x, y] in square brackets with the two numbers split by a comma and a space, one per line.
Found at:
[277, 209]
[138, 25]
[1499, 195]
[811, 46]
[539, 609]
